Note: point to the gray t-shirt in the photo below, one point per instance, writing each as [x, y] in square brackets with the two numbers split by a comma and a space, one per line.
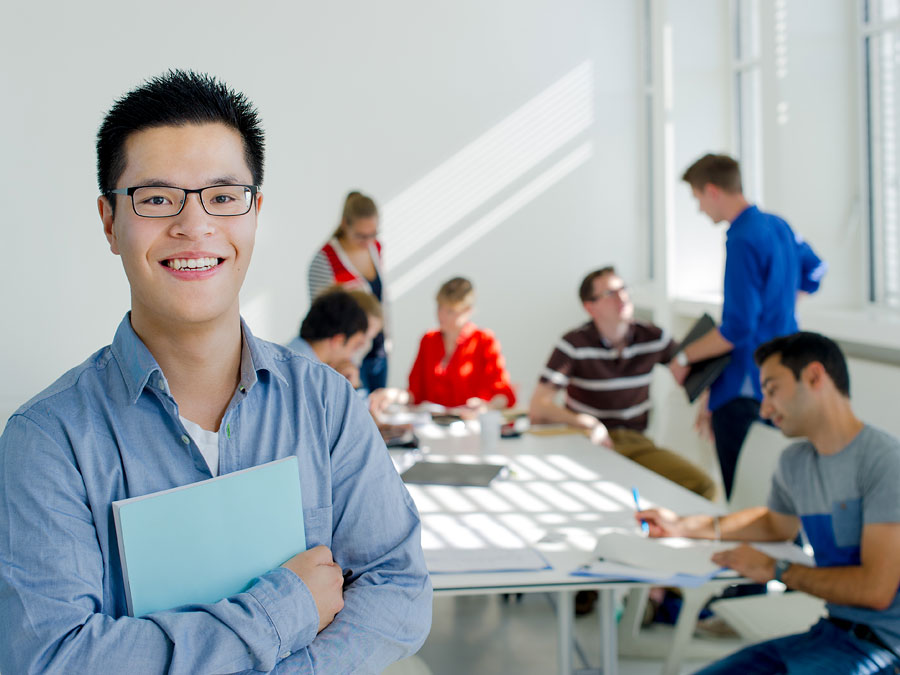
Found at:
[835, 496]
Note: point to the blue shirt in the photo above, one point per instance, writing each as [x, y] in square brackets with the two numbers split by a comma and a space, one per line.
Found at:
[108, 430]
[766, 264]
[301, 346]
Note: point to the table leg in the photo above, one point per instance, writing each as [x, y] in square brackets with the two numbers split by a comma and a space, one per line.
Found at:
[692, 601]
[565, 619]
[607, 609]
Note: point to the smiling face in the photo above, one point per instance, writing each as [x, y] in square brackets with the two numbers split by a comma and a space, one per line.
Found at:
[787, 401]
[189, 268]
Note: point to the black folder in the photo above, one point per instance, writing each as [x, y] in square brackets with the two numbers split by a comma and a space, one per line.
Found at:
[702, 373]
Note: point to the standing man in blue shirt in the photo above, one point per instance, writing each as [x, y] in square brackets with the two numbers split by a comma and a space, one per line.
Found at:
[766, 267]
[183, 393]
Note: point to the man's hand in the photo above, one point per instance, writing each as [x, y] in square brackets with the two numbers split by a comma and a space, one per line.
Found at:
[599, 434]
[748, 562]
[662, 522]
[381, 399]
[703, 421]
[323, 578]
[679, 372]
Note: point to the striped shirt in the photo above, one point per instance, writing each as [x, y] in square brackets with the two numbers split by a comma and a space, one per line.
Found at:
[612, 385]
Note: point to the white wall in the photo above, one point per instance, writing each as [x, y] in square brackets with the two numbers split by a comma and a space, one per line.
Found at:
[701, 122]
[388, 97]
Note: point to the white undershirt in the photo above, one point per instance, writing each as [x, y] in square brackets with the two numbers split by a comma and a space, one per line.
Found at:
[207, 442]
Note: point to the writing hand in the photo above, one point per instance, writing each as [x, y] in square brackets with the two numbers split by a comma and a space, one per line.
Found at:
[662, 522]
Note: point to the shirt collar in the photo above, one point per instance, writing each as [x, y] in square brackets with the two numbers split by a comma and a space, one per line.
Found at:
[744, 216]
[141, 370]
[466, 332]
[595, 334]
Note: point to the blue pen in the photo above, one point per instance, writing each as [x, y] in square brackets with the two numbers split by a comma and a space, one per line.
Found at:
[645, 528]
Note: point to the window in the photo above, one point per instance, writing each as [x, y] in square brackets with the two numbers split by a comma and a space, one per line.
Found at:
[880, 34]
[746, 94]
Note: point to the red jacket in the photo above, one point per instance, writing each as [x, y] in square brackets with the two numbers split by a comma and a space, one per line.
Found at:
[475, 370]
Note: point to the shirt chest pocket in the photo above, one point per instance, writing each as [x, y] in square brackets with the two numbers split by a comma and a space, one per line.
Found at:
[846, 518]
[317, 523]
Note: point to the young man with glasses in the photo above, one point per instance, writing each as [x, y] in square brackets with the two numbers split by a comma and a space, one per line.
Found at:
[605, 367]
[185, 392]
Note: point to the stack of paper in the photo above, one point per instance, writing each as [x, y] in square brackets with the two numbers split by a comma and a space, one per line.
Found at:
[670, 561]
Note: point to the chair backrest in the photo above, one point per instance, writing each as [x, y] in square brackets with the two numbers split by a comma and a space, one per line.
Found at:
[756, 464]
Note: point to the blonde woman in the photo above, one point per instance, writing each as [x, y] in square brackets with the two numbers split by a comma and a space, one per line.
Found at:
[352, 258]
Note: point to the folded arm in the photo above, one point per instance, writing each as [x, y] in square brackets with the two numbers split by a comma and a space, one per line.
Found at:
[377, 534]
[56, 604]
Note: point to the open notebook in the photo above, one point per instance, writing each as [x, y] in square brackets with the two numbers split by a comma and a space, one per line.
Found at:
[206, 541]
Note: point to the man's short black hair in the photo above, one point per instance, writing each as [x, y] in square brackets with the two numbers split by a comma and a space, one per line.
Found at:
[800, 349]
[333, 313]
[176, 98]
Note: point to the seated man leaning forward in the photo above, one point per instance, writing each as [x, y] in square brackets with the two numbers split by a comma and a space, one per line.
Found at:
[605, 367]
[333, 331]
[180, 160]
[841, 486]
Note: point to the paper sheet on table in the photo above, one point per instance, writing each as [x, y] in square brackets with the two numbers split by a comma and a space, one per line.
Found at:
[675, 555]
[400, 417]
[468, 561]
[611, 570]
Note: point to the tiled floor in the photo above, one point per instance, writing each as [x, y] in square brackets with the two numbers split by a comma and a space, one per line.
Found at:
[484, 635]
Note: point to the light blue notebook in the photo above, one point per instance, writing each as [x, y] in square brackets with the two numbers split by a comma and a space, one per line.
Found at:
[207, 541]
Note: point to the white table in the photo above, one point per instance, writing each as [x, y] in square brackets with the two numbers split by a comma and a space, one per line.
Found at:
[561, 489]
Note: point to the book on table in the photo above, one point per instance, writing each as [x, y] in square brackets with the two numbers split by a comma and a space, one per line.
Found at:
[202, 542]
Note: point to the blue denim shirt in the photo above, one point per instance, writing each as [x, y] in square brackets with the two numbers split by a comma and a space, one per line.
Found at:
[108, 430]
[766, 265]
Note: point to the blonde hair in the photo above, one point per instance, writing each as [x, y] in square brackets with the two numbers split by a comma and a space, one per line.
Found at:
[356, 205]
[368, 302]
[457, 290]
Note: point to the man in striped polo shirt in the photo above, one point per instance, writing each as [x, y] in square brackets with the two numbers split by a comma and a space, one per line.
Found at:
[605, 367]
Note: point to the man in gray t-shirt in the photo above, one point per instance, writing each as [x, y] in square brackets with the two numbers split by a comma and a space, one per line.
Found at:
[842, 486]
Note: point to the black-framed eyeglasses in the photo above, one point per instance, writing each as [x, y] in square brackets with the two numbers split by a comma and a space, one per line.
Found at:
[609, 293]
[163, 201]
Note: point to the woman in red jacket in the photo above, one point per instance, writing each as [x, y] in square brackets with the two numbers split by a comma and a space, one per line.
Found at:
[352, 258]
[460, 364]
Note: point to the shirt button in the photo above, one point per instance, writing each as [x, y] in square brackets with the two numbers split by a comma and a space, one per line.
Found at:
[285, 655]
[185, 440]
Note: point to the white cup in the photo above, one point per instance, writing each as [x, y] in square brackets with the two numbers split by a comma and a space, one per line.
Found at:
[490, 422]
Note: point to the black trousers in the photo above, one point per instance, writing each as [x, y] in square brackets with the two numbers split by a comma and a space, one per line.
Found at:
[730, 424]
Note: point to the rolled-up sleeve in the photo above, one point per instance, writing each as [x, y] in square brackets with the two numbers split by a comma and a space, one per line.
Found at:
[52, 590]
[812, 268]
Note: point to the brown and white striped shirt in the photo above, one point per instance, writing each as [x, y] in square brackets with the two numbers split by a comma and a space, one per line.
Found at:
[612, 385]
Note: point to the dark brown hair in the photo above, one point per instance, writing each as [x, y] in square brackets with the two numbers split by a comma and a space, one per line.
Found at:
[586, 291]
[720, 170]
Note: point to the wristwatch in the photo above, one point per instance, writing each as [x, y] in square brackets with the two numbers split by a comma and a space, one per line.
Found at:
[781, 566]
[682, 360]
